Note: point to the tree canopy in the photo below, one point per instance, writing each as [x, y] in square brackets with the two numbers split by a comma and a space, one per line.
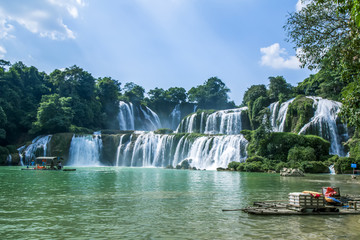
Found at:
[213, 94]
[327, 32]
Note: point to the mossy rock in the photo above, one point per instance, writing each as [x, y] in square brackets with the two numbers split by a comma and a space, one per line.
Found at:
[299, 113]
[59, 145]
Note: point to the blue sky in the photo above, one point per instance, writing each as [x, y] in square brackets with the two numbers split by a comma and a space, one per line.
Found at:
[155, 43]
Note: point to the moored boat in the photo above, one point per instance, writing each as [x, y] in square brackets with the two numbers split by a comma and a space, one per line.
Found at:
[47, 164]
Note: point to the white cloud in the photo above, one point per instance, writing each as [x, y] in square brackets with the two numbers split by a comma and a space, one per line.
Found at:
[301, 4]
[5, 29]
[2, 52]
[42, 17]
[276, 57]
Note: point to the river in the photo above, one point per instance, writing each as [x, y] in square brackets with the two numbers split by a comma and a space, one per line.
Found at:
[154, 203]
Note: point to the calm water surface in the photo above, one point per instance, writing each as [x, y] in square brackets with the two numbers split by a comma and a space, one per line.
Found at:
[140, 203]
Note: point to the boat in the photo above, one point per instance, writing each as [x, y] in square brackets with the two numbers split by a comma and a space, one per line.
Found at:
[47, 164]
[307, 203]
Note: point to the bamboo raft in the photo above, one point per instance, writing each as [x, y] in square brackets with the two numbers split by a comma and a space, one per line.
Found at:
[303, 204]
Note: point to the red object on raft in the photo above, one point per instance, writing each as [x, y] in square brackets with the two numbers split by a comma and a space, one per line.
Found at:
[330, 192]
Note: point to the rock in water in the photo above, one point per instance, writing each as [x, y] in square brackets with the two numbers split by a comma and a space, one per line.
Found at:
[291, 172]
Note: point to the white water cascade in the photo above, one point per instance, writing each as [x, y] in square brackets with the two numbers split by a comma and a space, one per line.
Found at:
[160, 150]
[9, 159]
[126, 116]
[85, 150]
[324, 124]
[151, 118]
[137, 118]
[228, 121]
[332, 170]
[175, 117]
[225, 122]
[278, 115]
[38, 144]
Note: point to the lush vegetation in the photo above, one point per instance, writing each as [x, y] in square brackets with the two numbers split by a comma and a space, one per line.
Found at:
[72, 100]
[33, 102]
[327, 32]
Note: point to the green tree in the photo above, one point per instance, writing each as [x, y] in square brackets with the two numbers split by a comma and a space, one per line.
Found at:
[3, 120]
[213, 94]
[54, 115]
[176, 95]
[327, 31]
[277, 87]
[319, 29]
[133, 93]
[109, 92]
[254, 92]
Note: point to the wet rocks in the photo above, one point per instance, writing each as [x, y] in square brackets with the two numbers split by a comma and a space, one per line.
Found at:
[291, 172]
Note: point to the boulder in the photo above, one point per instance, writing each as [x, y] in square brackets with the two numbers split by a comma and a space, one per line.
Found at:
[291, 172]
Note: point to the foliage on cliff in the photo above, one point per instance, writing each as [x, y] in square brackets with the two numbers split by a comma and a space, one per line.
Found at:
[274, 150]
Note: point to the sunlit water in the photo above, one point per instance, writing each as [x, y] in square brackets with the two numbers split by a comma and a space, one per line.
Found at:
[140, 203]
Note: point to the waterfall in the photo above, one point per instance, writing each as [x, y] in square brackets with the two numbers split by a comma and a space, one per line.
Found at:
[220, 122]
[160, 150]
[175, 117]
[324, 124]
[9, 159]
[85, 150]
[217, 151]
[38, 147]
[20, 151]
[278, 115]
[118, 150]
[332, 169]
[225, 122]
[152, 120]
[137, 118]
[126, 116]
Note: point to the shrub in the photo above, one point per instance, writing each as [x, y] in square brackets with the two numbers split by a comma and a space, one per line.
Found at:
[12, 148]
[300, 154]
[256, 159]
[253, 167]
[233, 165]
[163, 131]
[76, 129]
[343, 164]
[280, 166]
[314, 167]
[4, 151]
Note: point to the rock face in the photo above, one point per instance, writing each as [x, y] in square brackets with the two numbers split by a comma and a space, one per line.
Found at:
[291, 172]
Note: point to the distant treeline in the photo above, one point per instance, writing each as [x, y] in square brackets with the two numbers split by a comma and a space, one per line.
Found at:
[33, 102]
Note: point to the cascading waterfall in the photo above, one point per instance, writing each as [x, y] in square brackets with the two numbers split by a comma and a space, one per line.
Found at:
[160, 150]
[175, 117]
[137, 118]
[278, 115]
[220, 122]
[9, 160]
[38, 144]
[126, 116]
[332, 169]
[225, 122]
[85, 150]
[152, 120]
[20, 151]
[324, 124]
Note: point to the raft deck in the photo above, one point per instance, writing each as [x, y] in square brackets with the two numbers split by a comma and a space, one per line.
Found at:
[281, 208]
[49, 169]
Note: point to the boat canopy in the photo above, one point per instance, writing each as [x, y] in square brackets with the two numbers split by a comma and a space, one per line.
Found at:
[46, 158]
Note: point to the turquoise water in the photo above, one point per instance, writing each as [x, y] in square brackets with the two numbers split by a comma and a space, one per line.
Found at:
[141, 203]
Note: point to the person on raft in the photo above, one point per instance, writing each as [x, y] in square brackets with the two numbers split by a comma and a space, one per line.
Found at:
[59, 165]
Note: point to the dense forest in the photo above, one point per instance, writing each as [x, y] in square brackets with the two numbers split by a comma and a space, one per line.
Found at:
[33, 103]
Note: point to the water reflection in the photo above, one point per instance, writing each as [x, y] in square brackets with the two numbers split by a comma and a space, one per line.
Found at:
[137, 203]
